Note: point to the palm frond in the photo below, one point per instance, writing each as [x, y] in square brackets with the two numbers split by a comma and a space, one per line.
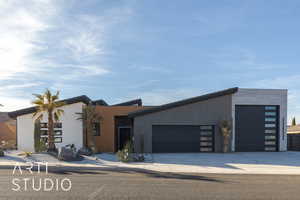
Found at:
[59, 104]
[39, 96]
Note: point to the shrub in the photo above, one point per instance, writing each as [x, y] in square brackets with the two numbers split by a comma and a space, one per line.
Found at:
[125, 155]
[1, 153]
[25, 154]
[40, 146]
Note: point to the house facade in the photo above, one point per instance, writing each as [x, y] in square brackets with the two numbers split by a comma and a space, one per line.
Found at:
[258, 118]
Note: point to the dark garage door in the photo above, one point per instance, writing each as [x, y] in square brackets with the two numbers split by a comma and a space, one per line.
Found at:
[182, 138]
[256, 128]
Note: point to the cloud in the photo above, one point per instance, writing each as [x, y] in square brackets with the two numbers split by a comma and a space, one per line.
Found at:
[51, 42]
[163, 96]
[20, 25]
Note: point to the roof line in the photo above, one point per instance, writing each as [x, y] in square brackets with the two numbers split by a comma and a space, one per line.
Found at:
[130, 103]
[82, 98]
[184, 102]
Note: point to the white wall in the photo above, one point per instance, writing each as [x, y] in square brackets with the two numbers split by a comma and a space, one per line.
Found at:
[263, 97]
[71, 128]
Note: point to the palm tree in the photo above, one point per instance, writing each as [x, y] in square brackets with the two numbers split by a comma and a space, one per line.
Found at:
[89, 116]
[48, 103]
[225, 129]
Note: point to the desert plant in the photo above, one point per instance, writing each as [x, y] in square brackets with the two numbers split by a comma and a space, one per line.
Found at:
[89, 116]
[225, 129]
[25, 154]
[1, 153]
[125, 155]
[294, 121]
[48, 103]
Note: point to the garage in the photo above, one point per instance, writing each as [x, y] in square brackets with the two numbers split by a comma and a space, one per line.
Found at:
[256, 128]
[182, 138]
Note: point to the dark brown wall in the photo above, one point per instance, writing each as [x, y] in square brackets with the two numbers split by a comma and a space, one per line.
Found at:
[106, 142]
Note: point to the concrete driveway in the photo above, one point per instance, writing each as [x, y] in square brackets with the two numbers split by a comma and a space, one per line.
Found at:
[239, 163]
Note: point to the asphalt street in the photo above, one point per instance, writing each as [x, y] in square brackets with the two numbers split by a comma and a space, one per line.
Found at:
[139, 184]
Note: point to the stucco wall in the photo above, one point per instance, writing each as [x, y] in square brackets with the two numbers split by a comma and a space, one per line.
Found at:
[209, 112]
[71, 128]
[263, 97]
[106, 142]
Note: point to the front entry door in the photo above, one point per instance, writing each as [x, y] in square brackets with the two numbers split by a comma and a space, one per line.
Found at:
[124, 136]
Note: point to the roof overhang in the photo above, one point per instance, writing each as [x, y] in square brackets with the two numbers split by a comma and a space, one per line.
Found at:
[184, 102]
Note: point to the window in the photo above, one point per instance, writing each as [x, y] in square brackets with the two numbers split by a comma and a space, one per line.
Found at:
[270, 131]
[58, 139]
[270, 137]
[57, 132]
[96, 129]
[270, 107]
[205, 149]
[270, 125]
[205, 138]
[269, 119]
[205, 143]
[206, 133]
[58, 125]
[206, 127]
[44, 132]
[44, 125]
[270, 148]
[270, 113]
[270, 143]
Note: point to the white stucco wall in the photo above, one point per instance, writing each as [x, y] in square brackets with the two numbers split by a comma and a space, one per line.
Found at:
[71, 128]
[263, 97]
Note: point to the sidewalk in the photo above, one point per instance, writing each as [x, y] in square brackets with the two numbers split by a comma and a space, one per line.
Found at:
[231, 163]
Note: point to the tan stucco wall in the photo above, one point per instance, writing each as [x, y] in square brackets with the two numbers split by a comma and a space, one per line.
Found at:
[106, 141]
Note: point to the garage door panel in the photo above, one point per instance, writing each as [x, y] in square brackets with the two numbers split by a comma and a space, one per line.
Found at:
[182, 138]
[175, 147]
[175, 138]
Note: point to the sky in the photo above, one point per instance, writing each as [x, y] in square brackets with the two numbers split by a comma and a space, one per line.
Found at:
[160, 51]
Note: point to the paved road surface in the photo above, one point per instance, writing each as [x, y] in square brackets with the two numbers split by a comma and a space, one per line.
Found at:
[137, 184]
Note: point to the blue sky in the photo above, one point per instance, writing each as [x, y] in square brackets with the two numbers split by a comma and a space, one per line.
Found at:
[160, 51]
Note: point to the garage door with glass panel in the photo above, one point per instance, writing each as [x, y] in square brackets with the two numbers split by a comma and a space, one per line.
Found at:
[256, 128]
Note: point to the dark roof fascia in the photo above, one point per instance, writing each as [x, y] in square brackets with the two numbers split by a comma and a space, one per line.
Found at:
[137, 102]
[99, 102]
[83, 99]
[184, 102]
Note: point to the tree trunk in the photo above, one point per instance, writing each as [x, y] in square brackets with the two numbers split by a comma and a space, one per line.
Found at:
[90, 136]
[51, 145]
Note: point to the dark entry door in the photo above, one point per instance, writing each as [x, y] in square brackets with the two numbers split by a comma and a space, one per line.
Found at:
[255, 130]
[124, 136]
[175, 138]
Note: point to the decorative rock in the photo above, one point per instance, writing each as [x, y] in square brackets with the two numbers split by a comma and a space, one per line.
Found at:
[85, 151]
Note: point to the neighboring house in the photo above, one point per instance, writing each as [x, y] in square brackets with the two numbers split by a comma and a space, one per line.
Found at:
[69, 130]
[7, 131]
[294, 129]
[258, 116]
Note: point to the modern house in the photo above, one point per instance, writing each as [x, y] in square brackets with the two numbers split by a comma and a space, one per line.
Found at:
[258, 118]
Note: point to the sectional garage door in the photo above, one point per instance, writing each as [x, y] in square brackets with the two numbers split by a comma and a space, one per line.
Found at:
[256, 128]
[182, 138]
